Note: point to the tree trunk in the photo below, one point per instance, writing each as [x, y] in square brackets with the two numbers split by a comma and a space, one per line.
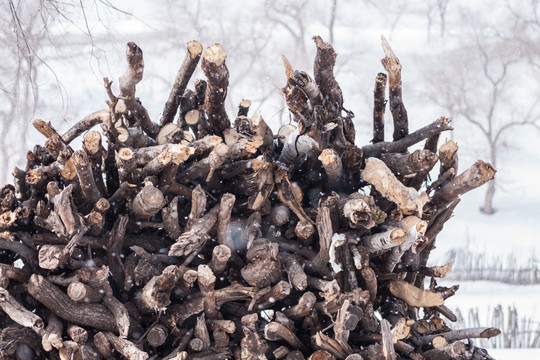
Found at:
[487, 208]
[488, 200]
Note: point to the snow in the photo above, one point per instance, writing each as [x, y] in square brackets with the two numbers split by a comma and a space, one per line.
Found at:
[514, 354]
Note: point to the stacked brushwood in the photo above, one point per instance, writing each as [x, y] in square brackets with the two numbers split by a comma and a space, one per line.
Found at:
[194, 237]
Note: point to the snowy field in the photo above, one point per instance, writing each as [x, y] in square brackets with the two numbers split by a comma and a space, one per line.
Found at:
[508, 238]
[514, 354]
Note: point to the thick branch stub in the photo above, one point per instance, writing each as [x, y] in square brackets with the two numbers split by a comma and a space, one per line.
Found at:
[213, 65]
[182, 78]
[18, 313]
[413, 295]
[392, 65]
[295, 97]
[436, 127]
[92, 315]
[379, 107]
[86, 177]
[407, 199]
[134, 73]
[477, 175]
[323, 69]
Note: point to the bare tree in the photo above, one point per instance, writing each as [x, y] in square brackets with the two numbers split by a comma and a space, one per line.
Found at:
[29, 43]
[20, 34]
[332, 21]
[291, 16]
[436, 11]
[478, 84]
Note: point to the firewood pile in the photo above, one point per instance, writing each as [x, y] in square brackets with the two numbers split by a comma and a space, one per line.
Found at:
[198, 237]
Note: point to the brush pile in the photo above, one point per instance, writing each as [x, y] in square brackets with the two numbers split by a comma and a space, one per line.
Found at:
[199, 237]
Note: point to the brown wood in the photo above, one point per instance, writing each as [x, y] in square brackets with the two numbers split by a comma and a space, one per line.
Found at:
[77, 334]
[274, 331]
[407, 199]
[478, 174]
[52, 336]
[178, 244]
[323, 69]
[156, 293]
[18, 313]
[194, 51]
[86, 177]
[305, 304]
[399, 114]
[103, 345]
[213, 65]
[207, 280]
[436, 127]
[157, 335]
[220, 256]
[126, 347]
[120, 313]
[82, 293]
[379, 107]
[94, 315]
[147, 202]
[263, 268]
[414, 296]
[332, 166]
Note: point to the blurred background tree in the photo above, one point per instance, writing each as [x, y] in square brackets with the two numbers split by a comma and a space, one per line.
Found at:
[458, 60]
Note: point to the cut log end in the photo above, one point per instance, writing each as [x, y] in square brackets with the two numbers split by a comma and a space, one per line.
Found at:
[215, 54]
[194, 48]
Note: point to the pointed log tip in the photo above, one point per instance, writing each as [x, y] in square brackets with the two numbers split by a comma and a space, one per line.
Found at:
[388, 52]
[321, 44]
[288, 67]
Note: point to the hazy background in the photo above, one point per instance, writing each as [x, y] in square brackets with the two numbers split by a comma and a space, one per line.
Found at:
[476, 62]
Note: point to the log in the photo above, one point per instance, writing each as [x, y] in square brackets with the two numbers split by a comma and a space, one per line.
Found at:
[414, 296]
[147, 202]
[399, 114]
[125, 347]
[408, 200]
[94, 315]
[379, 108]
[18, 313]
[82, 293]
[52, 336]
[194, 51]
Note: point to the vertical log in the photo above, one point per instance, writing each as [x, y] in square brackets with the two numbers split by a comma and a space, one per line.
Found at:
[379, 107]
[224, 220]
[213, 65]
[194, 51]
[86, 177]
[392, 65]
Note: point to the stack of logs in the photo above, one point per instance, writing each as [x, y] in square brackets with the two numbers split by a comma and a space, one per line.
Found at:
[201, 238]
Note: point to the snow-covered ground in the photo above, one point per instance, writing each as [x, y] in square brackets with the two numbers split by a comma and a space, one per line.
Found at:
[514, 354]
